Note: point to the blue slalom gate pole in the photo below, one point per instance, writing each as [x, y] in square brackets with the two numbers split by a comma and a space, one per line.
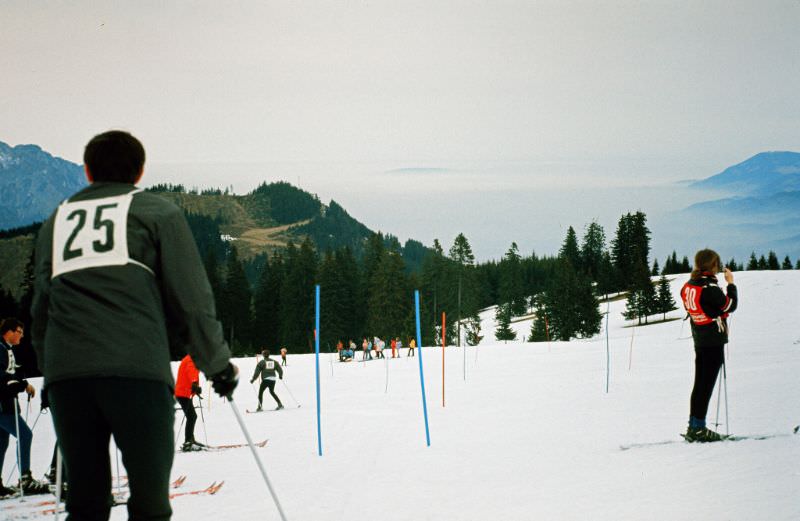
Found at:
[316, 347]
[421, 374]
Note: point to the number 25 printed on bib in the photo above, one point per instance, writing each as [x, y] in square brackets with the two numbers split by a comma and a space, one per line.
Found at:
[91, 234]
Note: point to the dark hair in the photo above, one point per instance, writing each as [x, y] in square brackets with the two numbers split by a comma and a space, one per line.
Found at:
[114, 156]
[10, 324]
[265, 353]
[706, 260]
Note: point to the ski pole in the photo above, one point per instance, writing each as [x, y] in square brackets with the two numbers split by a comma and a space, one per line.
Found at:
[119, 478]
[59, 481]
[19, 448]
[202, 418]
[719, 393]
[290, 393]
[256, 457]
[725, 380]
[28, 409]
[178, 434]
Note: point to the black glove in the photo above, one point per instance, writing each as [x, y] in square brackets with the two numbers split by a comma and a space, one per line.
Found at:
[196, 389]
[281, 377]
[226, 381]
[45, 400]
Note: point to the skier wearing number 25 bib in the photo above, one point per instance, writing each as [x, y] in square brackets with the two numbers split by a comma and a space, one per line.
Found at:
[708, 308]
[119, 287]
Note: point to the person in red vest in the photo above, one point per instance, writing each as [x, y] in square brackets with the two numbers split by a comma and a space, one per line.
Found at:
[708, 309]
[186, 386]
[394, 347]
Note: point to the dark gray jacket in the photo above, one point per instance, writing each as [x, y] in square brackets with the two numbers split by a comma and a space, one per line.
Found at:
[99, 317]
[267, 368]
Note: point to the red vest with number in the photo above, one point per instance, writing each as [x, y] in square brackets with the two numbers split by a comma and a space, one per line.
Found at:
[690, 295]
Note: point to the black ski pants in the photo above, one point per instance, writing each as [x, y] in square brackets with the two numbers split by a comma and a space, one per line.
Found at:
[707, 361]
[191, 417]
[140, 414]
[267, 384]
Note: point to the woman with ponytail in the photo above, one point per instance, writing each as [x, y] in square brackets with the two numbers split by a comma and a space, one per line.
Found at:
[708, 308]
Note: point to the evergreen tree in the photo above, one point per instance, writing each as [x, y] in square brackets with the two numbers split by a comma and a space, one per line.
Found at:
[655, 271]
[236, 314]
[772, 261]
[605, 276]
[332, 301]
[503, 318]
[733, 266]
[570, 304]
[752, 264]
[267, 304]
[762, 263]
[569, 249]
[297, 298]
[388, 297]
[433, 293]
[511, 288]
[685, 266]
[539, 332]
[664, 299]
[348, 270]
[797, 265]
[787, 263]
[466, 300]
[473, 330]
[592, 250]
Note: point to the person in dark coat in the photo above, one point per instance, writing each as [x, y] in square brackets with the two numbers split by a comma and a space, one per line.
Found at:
[708, 308]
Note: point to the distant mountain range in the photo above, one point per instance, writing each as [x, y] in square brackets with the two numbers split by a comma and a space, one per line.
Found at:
[257, 223]
[33, 182]
[761, 211]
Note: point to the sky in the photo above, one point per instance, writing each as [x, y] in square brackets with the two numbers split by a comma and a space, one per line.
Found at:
[416, 116]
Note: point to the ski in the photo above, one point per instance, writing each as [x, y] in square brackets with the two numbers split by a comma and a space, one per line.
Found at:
[725, 437]
[47, 502]
[217, 448]
[50, 507]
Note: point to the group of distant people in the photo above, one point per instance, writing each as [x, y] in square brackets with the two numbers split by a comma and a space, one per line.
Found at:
[119, 281]
[376, 345]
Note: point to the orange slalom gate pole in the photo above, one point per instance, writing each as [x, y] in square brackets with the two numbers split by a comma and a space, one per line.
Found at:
[444, 336]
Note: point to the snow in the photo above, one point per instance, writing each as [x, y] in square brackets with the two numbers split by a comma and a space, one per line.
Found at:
[530, 434]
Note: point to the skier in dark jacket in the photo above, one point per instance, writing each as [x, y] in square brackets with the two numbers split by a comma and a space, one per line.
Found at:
[708, 308]
[266, 369]
[118, 283]
[11, 384]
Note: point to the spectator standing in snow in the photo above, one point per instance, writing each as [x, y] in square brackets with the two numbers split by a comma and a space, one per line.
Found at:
[394, 347]
[115, 266]
[283, 355]
[11, 384]
[411, 345]
[708, 309]
[267, 369]
[186, 387]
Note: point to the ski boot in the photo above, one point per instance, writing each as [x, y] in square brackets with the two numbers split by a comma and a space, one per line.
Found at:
[191, 446]
[6, 492]
[279, 407]
[30, 486]
[702, 435]
[258, 409]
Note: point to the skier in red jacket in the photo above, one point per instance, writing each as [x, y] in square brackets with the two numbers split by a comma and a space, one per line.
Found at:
[186, 386]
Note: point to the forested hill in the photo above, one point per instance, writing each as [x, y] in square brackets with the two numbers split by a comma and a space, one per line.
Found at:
[267, 219]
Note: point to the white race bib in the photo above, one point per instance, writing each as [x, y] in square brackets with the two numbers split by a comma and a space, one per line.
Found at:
[91, 234]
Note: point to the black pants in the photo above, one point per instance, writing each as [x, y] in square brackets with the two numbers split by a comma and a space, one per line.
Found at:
[191, 417]
[267, 384]
[707, 362]
[140, 414]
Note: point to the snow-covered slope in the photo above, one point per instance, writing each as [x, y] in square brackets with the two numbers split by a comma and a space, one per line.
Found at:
[529, 434]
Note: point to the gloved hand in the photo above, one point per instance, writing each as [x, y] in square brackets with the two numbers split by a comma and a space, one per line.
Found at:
[16, 387]
[196, 389]
[281, 377]
[45, 401]
[226, 381]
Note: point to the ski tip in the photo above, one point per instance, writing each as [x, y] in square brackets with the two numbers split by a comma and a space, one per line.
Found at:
[797, 429]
